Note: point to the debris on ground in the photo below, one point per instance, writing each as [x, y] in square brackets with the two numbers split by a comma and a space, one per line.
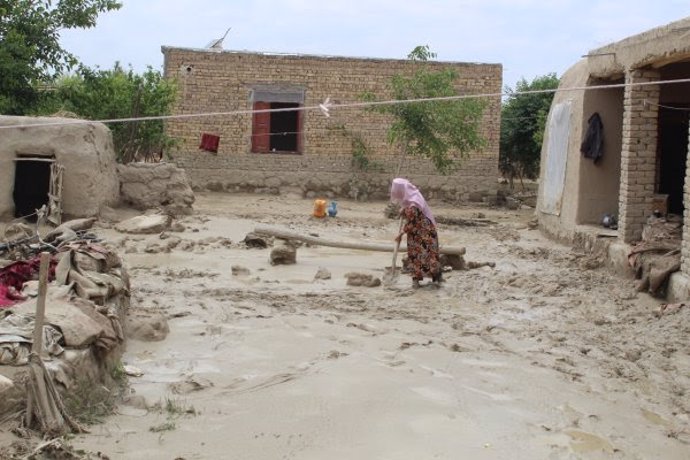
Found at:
[145, 224]
[455, 261]
[252, 240]
[462, 222]
[322, 274]
[87, 299]
[132, 371]
[238, 270]
[69, 228]
[190, 385]
[472, 265]
[283, 254]
[658, 255]
[362, 279]
[670, 308]
[58, 448]
[585, 343]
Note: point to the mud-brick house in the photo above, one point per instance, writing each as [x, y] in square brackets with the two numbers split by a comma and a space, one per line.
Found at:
[70, 168]
[304, 151]
[640, 165]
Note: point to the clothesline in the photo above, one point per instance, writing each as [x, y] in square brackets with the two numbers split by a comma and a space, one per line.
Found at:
[663, 106]
[328, 106]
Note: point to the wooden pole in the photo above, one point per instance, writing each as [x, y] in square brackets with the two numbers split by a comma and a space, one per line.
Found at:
[290, 235]
[37, 346]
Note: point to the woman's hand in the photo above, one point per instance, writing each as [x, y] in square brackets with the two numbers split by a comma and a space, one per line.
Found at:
[398, 238]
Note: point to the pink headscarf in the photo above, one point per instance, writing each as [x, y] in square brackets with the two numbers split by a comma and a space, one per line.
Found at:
[404, 193]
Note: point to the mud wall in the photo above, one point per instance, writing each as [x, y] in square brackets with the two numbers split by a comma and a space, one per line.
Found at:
[213, 81]
[334, 175]
[562, 226]
[152, 185]
[85, 150]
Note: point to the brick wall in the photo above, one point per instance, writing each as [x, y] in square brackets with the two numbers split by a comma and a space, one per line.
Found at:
[638, 160]
[211, 81]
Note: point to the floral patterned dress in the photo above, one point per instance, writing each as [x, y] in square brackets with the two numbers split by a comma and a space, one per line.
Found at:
[422, 244]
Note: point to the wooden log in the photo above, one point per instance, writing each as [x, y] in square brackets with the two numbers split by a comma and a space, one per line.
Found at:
[318, 241]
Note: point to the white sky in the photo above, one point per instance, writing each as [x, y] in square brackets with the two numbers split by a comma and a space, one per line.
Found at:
[529, 37]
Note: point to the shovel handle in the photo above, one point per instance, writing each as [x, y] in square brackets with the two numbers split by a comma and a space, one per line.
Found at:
[397, 246]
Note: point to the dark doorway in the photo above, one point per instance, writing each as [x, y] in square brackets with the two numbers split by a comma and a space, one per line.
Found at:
[284, 127]
[31, 185]
[673, 152]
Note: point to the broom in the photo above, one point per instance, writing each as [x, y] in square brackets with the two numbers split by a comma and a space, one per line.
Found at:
[44, 405]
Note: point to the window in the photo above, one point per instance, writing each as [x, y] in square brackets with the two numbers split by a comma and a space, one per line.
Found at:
[280, 131]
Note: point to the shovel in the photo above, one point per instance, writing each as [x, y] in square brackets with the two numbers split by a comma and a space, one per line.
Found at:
[391, 277]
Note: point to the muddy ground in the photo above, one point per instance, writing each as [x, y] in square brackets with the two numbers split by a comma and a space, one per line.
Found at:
[546, 355]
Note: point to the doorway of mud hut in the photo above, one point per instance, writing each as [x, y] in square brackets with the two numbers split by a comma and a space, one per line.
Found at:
[671, 157]
[600, 183]
[31, 185]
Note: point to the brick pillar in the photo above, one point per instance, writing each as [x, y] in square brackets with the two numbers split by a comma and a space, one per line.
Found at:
[638, 158]
[685, 245]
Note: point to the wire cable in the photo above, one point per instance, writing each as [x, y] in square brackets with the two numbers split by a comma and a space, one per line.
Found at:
[332, 106]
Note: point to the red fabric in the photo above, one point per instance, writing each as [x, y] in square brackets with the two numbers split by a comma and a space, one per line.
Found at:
[13, 277]
[9, 296]
[209, 142]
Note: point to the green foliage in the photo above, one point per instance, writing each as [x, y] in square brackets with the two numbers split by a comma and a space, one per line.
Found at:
[90, 402]
[360, 155]
[119, 93]
[173, 409]
[421, 53]
[361, 160]
[523, 119]
[30, 50]
[441, 131]
[118, 374]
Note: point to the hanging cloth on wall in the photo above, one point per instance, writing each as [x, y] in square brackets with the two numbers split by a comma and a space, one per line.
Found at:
[209, 142]
[593, 142]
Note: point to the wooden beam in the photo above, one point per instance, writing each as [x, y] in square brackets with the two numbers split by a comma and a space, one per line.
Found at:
[318, 241]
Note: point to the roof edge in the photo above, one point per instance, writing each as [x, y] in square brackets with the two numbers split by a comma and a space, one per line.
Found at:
[681, 25]
[165, 49]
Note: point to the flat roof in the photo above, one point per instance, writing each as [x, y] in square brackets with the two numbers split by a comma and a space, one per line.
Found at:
[164, 49]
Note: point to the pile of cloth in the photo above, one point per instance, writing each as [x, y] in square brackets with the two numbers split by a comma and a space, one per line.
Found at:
[657, 256]
[87, 298]
[15, 274]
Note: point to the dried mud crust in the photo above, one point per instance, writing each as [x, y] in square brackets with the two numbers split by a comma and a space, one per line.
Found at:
[539, 302]
[541, 308]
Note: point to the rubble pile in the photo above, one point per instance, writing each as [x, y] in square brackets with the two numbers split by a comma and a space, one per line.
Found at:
[87, 299]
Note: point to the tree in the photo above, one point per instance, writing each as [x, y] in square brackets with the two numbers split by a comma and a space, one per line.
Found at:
[30, 50]
[523, 119]
[119, 93]
[441, 131]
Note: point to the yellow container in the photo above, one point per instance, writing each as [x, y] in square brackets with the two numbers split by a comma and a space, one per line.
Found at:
[319, 208]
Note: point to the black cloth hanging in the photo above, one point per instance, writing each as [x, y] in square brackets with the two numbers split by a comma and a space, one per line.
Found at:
[593, 143]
